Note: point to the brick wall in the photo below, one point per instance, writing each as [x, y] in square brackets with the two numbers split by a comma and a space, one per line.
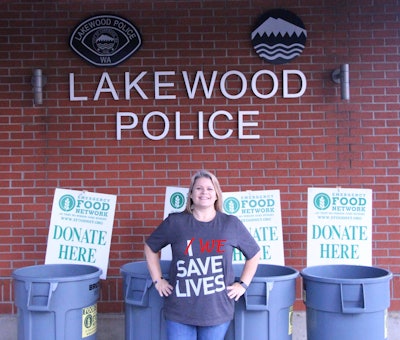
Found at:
[314, 140]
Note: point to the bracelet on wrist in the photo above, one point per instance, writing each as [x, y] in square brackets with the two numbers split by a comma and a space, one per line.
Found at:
[156, 281]
[244, 285]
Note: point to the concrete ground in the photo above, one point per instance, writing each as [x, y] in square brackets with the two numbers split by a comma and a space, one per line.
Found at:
[111, 326]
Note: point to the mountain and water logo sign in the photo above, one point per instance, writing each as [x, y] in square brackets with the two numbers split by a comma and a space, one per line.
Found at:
[279, 36]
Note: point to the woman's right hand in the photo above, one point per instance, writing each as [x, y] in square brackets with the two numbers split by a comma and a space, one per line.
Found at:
[163, 287]
[153, 263]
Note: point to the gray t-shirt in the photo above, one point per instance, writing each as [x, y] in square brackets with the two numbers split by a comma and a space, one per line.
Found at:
[201, 266]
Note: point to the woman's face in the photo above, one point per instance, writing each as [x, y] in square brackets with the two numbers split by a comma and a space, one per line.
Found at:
[203, 194]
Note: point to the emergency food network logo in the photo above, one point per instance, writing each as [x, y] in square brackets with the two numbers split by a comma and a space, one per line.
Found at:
[231, 205]
[105, 40]
[279, 36]
[177, 200]
[67, 202]
[322, 201]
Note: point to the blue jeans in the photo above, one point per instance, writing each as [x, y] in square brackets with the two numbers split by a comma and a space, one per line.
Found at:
[180, 331]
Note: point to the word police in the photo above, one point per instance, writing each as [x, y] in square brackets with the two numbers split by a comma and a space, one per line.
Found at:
[165, 88]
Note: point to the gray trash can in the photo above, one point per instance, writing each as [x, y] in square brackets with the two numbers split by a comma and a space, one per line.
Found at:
[346, 302]
[144, 317]
[265, 311]
[57, 301]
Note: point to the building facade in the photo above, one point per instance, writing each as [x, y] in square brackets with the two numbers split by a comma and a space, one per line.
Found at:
[191, 92]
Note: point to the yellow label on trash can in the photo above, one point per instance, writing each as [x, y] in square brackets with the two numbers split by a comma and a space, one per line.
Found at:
[386, 324]
[89, 320]
[290, 331]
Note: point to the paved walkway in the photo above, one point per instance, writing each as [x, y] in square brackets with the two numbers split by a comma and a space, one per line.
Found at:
[111, 326]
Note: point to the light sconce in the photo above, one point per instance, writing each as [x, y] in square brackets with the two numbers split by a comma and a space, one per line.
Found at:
[341, 76]
[38, 81]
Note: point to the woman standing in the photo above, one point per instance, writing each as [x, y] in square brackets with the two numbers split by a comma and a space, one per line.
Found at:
[200, 293]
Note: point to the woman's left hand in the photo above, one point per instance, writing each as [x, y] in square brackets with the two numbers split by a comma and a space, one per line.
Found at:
[235, 291]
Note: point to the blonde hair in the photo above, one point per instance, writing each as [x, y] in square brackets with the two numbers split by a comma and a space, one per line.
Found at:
[217, 188]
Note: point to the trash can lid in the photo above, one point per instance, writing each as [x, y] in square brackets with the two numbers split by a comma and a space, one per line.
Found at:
[345, 273]
[56, 272]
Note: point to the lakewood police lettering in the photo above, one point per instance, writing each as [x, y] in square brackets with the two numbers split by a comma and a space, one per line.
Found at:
[164, 88]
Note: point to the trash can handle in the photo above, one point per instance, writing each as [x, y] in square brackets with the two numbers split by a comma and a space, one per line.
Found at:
[36, 302]
[352, 298]
[264, 303]
[137, 299]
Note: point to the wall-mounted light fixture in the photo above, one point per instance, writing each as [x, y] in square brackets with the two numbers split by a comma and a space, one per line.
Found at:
[341, 76]
[38, 81]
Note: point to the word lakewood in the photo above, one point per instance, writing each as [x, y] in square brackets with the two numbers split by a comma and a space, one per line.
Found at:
[233, 85]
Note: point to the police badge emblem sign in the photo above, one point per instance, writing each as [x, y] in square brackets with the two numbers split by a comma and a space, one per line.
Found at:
[105, 40]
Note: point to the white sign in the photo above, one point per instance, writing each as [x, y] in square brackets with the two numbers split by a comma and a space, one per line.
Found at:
[81, 228]
[339, 226]
[175, 201]
[260, 212]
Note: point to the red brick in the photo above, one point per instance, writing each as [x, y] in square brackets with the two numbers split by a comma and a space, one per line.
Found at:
[315, 140]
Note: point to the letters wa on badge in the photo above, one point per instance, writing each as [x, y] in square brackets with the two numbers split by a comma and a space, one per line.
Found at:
[164, 90]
